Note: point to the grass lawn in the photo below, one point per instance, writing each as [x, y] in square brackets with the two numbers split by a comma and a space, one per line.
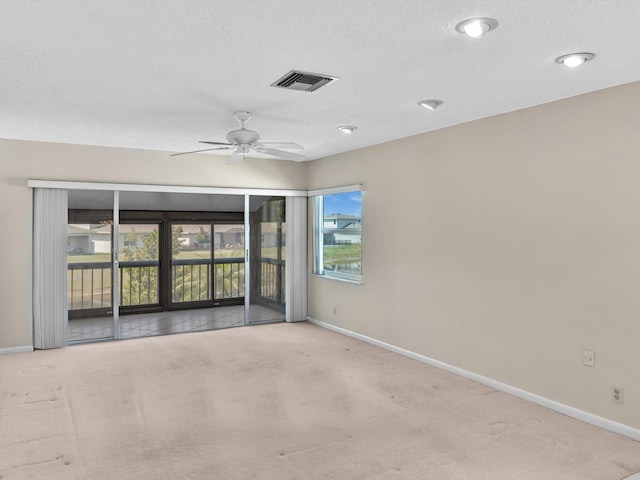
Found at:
[89, 258]
[342, 253]
[184, 255]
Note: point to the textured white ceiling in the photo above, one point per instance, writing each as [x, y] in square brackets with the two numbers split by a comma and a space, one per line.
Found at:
[163, 74]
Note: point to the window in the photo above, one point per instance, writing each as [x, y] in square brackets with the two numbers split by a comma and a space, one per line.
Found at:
[338, 235]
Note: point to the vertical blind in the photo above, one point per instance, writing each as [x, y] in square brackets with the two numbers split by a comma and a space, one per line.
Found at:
[296, 267]
[49, 268]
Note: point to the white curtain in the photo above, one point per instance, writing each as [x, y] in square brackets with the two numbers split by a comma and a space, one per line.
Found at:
[296, 269]
[49, 268]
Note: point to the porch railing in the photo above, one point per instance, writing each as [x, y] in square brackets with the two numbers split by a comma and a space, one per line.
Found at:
[191, 279]
[89, 284]
[272, 283]
[139, 282]
[229, 279]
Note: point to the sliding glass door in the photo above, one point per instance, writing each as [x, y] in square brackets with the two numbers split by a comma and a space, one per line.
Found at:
[90, 291]
[266, 301]
[192, 251]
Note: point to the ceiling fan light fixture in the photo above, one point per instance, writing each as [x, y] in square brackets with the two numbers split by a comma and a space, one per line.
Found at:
[573, 60]
[477, 27]
[347, 129]
[430, 104]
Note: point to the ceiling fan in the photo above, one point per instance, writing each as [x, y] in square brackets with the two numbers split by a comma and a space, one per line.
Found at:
[243, 140]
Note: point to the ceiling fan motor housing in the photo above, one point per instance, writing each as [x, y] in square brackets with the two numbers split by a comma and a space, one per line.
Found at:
[243, 137]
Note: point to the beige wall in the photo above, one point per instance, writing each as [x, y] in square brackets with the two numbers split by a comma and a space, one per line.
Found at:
[521, 240]
[521, 247]
[20, 161]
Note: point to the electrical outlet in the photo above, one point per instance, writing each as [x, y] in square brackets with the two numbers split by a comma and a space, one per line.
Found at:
[588, 358]
[335, 311]
[617, 394]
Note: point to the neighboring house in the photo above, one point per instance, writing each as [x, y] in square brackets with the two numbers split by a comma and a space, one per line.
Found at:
[89, 238]
[224, 236]
[78, 239]
[228, 236]
[339, 220]
[96, 238]
[342, 229]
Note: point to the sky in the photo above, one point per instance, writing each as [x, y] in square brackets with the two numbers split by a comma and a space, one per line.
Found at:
[349, 203]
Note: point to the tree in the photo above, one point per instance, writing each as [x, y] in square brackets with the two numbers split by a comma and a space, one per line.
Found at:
[190, 282]
[203, 236]
[147, 251]
[176, 241]
[140, 282]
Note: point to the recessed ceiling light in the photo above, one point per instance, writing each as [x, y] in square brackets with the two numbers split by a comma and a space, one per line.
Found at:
[430, 104]
[347, 130]
[477, 27]
[574, 60]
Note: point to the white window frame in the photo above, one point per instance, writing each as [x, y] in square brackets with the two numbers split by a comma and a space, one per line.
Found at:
[318, 234]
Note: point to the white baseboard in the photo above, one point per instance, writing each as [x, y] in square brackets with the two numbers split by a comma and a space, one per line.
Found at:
[635, 476]
[24, 349]
[586, 417]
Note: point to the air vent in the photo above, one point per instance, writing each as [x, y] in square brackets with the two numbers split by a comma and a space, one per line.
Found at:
[303, 81]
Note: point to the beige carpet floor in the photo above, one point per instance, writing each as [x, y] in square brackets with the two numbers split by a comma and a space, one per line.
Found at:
[278, 402]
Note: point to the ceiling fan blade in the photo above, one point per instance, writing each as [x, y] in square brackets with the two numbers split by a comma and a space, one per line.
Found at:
[214, 143]
[281, 154]
[287, 145]
[235, 158]
[198, 151]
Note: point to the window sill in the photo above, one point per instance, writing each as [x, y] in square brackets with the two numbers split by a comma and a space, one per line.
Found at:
[329, 277]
